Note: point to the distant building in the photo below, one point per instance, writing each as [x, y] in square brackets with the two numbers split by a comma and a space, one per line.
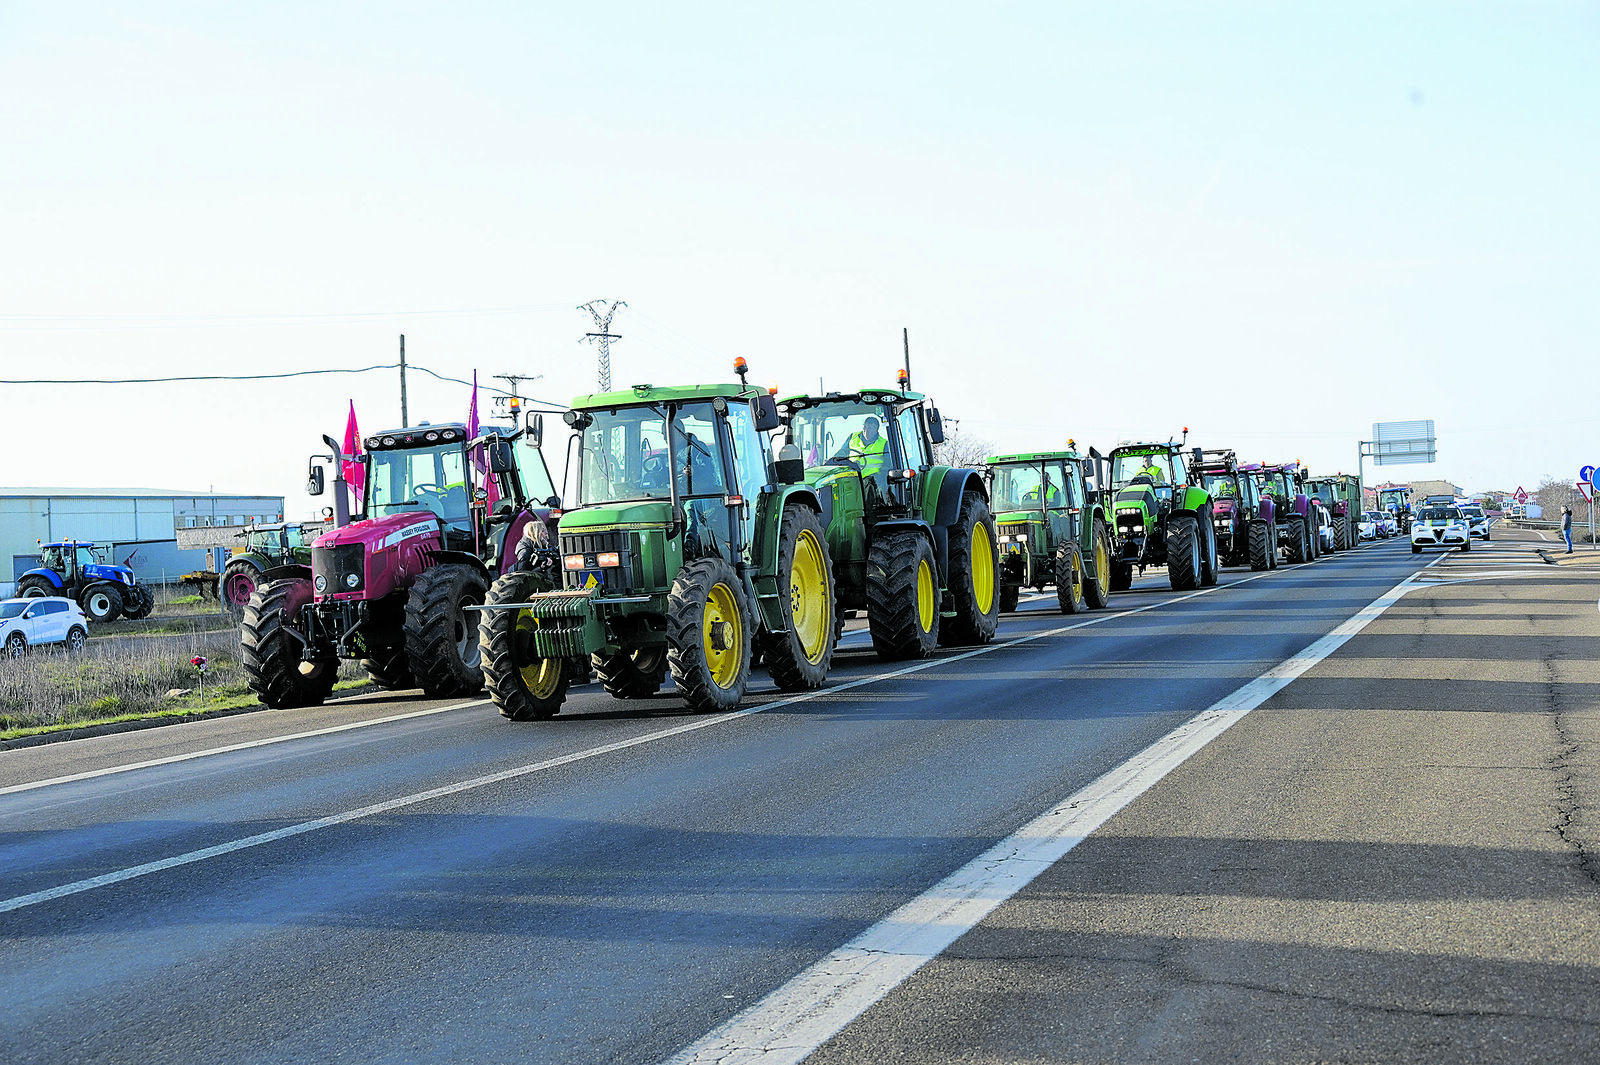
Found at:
[1421, 490]
[136, 523]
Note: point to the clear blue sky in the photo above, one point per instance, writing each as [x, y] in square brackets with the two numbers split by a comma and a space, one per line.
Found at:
[1273, 223]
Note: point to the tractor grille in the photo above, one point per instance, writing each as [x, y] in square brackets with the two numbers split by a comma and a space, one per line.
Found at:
[614, 579]
[330, 566]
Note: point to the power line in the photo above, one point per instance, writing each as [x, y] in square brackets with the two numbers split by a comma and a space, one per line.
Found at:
[604, 336]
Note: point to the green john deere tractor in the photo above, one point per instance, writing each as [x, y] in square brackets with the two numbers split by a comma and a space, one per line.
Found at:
[266, 547]
[913, 542]
[1163, 516]
[1052, 526]
[679, 554]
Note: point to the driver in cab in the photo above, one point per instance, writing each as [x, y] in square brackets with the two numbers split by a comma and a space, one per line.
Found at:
[866, 448]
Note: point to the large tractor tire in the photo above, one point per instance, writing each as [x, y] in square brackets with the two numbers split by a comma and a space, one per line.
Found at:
[102, 602]
[239, 582]
[1097, 580]
[139, 602]
[389, 668]
[269, 647]
[441, 637]
[1208, 548]
[708, 635]
[1183, 552]
[1344, 533]
[1262, 548]
[1070, 579]
[902, 596]
[799, 659]
[1009, 594]
[35, 588]
[1299, 545]
[631, 674]
[523, 687]
[974, 575]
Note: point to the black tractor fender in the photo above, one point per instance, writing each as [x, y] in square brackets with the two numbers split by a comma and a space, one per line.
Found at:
[462, 558]
[286, 572]
[956, 483]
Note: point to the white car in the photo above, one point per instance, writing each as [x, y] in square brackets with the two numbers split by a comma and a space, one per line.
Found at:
[1477, 520]
[40, 621]
[1438, 526]
[1370, 527]
[1327, 536]
[1391, 524]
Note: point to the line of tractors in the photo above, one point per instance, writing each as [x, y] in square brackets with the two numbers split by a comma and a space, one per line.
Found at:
[709, 529]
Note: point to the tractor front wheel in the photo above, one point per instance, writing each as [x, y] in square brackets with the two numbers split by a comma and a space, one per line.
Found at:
[441, 635]
[974, 575]
[1299, 546]
[239, 582]
[1183, 552]
[1208, 548]
[1069, 579]
[1097, 583]
[101, 602]
[799, 658]
[35, 588]
[144, 601]
[708, 635]
[270, 641]
[632, 674]
[902, 596]
[1262, 548]
[525, 688]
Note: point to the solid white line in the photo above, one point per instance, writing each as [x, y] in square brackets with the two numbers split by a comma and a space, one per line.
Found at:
[118, 876]
[797, 1018]
[109, 770]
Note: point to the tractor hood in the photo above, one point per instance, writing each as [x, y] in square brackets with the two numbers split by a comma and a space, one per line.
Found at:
[638, 514]
[386, 531]
[1142, 496]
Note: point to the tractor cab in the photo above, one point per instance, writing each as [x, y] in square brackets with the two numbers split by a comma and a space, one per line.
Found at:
[423, 470]
[881, 434]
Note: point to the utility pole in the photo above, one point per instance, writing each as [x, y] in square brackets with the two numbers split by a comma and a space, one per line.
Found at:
[513, 402]
[604, 336]
[403, 421]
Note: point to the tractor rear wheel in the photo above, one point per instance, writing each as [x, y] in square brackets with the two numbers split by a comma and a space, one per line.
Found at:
[974, 575]
[708, 635]
[239, 581]
[1183, 552]
[270, 643]
[799, 658]
[144, 601]
[101, 602]
[902, 596]
[1208, 548]
[1299, 546]
[523, 687]
[389, 668]
[1262, 549]
[1069, 579]
[35, 587]
[1009, 594]
[1097, 581]
[631, 674]
[441, 637]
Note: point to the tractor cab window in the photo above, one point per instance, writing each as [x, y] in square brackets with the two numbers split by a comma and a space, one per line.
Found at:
[1220, 485]
[625, 454]
[50, 558]
[749, 466]
[1018, 487]
[911, 441]
[1151, 469]
[431, 479]
[1061, 489]
[845, 433]
[84, 556]
[294, 537]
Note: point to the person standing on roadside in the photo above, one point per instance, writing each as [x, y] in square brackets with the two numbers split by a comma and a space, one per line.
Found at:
[1566, 527]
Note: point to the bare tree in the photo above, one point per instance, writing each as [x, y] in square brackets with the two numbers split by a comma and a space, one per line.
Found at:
[961, 449]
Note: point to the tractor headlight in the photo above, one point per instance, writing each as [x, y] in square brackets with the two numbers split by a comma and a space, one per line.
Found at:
[321, 583]
[1005, 539]
[573, 562]
[608, 559]
[352, 580]
[1021, 538]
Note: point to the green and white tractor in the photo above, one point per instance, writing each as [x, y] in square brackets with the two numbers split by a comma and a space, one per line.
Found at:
[1052, 527]
[1163, 516]
[683, 550]
[913, 541]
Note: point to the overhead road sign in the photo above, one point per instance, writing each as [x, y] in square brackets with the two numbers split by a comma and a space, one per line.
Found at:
[1403, 443]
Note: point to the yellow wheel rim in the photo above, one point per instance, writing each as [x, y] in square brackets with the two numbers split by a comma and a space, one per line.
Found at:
[1102, 563]
[1077, 579]
[810, 606]
[542, 676]
[722, 632]
[925, 595]
[982, 568]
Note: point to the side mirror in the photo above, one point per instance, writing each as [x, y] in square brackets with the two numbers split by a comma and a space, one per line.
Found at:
[535, 427]
[790, 468]
[501, 459]
[766, 412]
[1199, 456]
[316, 483]
[935, 426]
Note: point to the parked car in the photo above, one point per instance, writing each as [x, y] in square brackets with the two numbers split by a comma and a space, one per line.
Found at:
[40, 621]
[1440, 527]
[1477, 520]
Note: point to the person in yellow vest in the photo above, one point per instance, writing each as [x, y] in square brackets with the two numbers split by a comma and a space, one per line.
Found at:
[867, 448]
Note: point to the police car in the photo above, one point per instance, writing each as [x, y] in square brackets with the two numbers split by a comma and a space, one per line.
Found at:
[1438, 526]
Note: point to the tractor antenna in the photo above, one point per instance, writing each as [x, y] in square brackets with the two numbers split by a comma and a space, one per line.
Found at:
[603, 336]
[905, 340]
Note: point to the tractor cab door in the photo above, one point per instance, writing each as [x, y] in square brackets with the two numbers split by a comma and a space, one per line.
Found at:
[80, 559]
[1063, 502]
[747, 461]
[909, 451]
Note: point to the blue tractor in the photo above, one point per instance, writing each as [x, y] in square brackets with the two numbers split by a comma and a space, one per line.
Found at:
[70, 569]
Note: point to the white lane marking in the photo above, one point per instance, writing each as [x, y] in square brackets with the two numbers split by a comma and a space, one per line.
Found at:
[118, 876]
[797, 1018]
[109, 770]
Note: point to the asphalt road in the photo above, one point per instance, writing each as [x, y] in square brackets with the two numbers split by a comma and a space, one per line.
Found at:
[396, 880]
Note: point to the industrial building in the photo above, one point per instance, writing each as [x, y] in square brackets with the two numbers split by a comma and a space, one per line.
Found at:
[132, 523]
